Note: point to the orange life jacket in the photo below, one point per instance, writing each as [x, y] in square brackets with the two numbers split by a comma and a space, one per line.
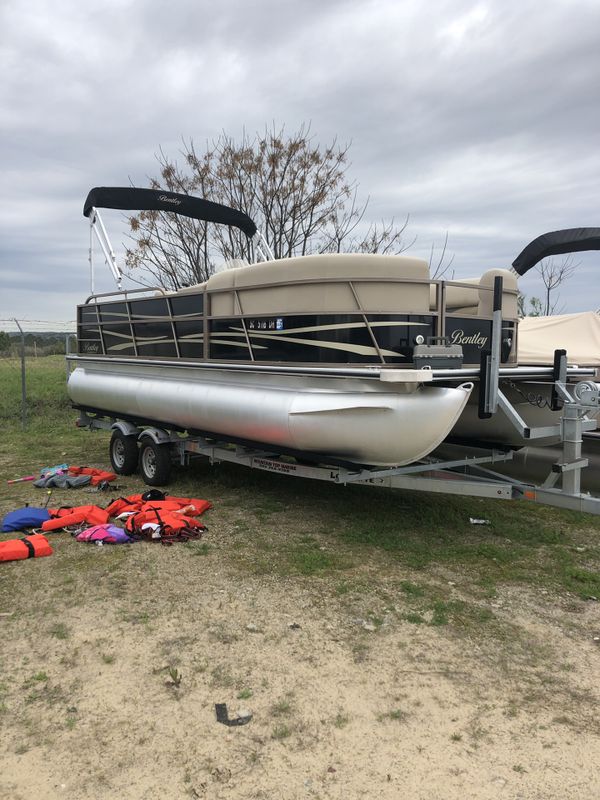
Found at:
[35, 546]
[200, 505]
[122, 504]
[63, 517]
[192, 507]
[172, 526]
[98, 475]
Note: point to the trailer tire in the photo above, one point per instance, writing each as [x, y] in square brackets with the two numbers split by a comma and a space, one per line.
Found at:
[155, 463]
[123, 452]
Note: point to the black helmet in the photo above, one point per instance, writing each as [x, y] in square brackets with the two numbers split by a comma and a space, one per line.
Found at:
[153, 494]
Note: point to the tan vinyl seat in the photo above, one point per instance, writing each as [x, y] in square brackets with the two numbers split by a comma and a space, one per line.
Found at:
[464, 296]
[510, 293]
[475, 296]
[323, 284]
[195, 288]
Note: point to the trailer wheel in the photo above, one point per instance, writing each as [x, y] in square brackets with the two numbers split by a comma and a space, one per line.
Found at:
[155, 463]
[123, 453]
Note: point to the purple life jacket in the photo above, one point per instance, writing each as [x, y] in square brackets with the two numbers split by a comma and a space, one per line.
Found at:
[109, 534]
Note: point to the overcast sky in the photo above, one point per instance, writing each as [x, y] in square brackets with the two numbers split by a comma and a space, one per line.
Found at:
[479, 119]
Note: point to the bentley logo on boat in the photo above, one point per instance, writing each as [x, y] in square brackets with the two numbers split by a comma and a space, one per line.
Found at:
[172, 200]
[477, 339]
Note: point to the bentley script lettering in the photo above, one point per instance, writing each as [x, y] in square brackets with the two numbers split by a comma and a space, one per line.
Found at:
[460, 337]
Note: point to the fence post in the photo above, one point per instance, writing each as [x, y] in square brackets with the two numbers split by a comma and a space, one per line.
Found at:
[23, 388]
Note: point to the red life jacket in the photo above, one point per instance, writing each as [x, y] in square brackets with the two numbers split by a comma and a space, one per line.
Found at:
[63, 517]
[98, 475]
[122, 504]
[192, 508]
[126, 505]
[172, 526]
[200, 505]
[35, 546]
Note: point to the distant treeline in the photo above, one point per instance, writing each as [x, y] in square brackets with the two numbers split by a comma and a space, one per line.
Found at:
[36, 344]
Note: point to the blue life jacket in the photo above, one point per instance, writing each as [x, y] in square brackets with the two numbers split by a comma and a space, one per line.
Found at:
[28, 517]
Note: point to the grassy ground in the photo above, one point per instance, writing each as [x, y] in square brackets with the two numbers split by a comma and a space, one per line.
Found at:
[367, 562]
[523, 544]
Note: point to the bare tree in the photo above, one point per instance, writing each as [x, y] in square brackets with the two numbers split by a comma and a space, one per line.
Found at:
[296, 191]
[553, 274]
[439, 263]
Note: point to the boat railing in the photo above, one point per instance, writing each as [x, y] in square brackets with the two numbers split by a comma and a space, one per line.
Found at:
[441, 286]
[438, 308]
[430, 306]
[125, 292]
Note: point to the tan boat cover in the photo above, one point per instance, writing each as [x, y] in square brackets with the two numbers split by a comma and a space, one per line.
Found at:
[578, 334]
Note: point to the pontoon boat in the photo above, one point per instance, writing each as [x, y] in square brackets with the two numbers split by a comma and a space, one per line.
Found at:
[342, 358]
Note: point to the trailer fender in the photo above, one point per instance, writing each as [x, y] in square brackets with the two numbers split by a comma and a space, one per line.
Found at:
[126, 428]
[157, 435]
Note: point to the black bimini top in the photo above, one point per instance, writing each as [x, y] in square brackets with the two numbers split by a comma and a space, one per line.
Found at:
[570, 240]
[128, 199]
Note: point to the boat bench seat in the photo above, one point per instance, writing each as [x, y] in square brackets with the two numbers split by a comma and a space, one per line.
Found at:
[330, 283]
[195, 288]
[475, 296]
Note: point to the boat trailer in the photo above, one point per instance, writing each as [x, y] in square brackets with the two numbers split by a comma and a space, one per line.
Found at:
[153, 449]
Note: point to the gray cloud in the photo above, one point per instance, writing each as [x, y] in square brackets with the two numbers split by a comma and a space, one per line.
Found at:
[478, 119]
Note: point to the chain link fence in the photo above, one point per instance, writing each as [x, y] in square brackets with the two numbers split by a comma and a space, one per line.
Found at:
[29, 349]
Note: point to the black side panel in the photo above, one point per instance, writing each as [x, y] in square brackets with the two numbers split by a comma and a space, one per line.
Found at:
[187, 305]
[116, 330]
[89, 341]
[228, 341]
[145, 327]
[149, 307]
[397, 333]
[151, 323]
[155, 339]
[118, 340]
[189, 324]
[320, 338]
[190, 338]
[474, 335]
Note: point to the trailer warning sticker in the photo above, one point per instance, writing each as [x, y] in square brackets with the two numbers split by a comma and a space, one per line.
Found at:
[274, 466]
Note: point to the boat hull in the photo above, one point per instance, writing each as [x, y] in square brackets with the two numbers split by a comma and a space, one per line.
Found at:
[363, 421]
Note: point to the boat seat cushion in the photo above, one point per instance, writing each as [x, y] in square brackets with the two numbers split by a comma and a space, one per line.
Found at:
[463, 293]
[322, 283]
[475, 296]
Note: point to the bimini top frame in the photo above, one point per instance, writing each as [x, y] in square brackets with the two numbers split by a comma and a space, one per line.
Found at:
[131, 199]
[128, 199]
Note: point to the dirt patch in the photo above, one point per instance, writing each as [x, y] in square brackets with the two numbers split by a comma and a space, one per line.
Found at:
[113, 660]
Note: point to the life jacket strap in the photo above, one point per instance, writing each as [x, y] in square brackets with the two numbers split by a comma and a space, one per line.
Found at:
[29, 546]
